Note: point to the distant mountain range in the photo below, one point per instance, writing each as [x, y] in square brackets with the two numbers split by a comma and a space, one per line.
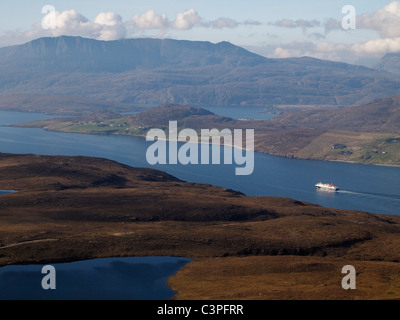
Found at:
[154, 71]
[61, 104]
[390, 63]
[382, 115]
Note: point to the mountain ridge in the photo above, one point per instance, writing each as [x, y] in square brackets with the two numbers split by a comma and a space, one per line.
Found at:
[381, 115]
[156, 71]
[61, 104]
[140, 53]
[390, 63]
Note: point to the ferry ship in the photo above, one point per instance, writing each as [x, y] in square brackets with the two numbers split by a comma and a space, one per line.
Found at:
[326, 186]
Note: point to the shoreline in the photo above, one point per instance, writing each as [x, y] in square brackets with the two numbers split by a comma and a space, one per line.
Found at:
[299, 238]
[180, 263]
[367, 164]
[210, 143]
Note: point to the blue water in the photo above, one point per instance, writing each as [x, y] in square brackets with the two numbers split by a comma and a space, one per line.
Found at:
[5, 191]
[363, 187]
[134, 278]
[367, 188]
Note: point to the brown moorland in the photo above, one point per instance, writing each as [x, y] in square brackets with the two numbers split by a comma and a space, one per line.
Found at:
[73, 208]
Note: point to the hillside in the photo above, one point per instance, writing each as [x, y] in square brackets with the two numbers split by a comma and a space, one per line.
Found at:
[365, 134]
[154, 71]
[105, 122]
[390, 62]
[368, 134]
[382, 115]
[76, 54]
[73, 208]
[61, 105]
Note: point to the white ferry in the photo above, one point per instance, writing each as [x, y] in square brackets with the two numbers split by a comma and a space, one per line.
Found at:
[326, 186]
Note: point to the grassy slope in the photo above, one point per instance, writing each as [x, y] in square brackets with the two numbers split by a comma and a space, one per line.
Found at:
[70, 208]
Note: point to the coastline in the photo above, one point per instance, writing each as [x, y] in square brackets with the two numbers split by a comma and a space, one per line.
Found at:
[159, 269]
[367, 164]
[200, 142]
[298, 239]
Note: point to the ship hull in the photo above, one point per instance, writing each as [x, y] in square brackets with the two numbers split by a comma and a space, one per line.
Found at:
[326, 187]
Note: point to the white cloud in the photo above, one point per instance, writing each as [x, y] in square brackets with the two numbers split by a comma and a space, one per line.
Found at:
[106, 26]
[108, 19]
[332, 25]
[321, 50]
[70, 22]
[190, 18]
[109, 25]
[385, 20]
[186, 20]
[150, 20]
[112, 27]
[224, 23]
[377, 47]
[300, 23]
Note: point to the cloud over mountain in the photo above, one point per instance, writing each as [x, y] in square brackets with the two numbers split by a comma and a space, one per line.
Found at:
[186, 20]
[384, 21]
[150, 20]
[110, 26]
[315, 37]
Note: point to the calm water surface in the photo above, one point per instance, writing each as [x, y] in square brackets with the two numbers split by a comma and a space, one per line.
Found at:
[135, 278]
[5, 191]
[368, 188]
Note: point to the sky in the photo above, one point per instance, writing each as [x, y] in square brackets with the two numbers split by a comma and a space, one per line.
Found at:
[329, 29]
